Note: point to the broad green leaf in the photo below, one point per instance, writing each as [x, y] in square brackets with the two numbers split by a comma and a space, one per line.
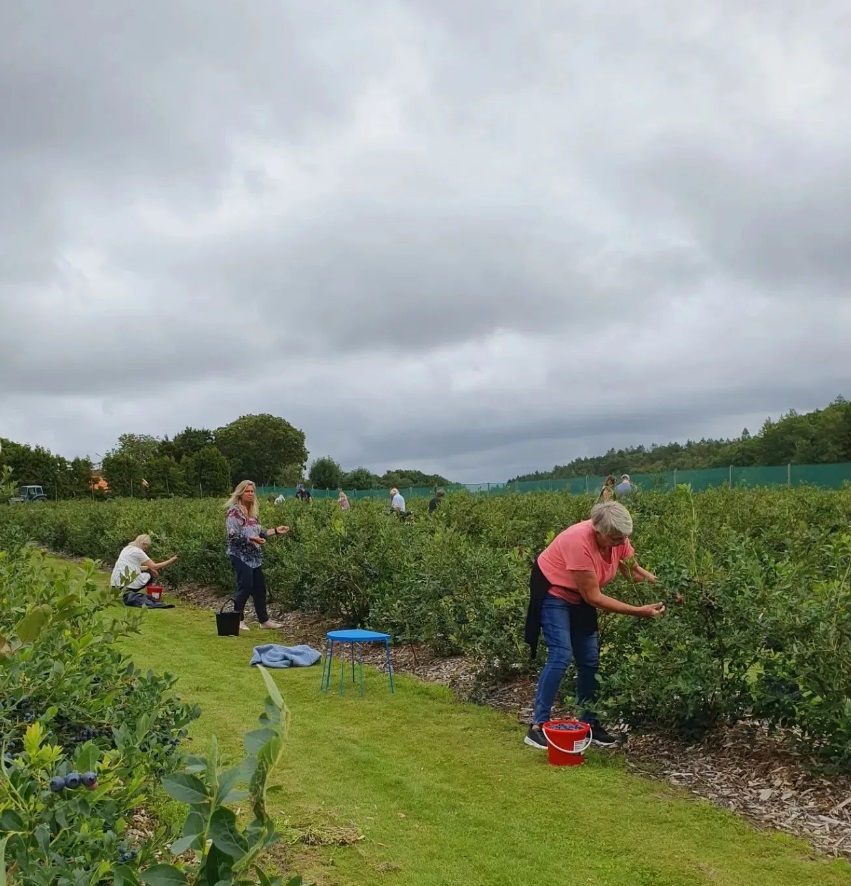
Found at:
[255, 740]
[186, 788]
[124, 876]
[195, 825]
[3, 861]
[213, 766]
[30, 626]
[163, 875]
[87, 757]
[225, 833]
[271, 687]
[217, 866]
[184, 844]
[11, 821]
[227, 782]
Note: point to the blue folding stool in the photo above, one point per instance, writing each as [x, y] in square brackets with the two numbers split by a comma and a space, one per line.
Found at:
[354, 637]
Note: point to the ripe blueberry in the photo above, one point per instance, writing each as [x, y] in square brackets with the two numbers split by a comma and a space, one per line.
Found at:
[29, 716]
[89, 779]
[57, 784]
[23, 703]
[72, 780]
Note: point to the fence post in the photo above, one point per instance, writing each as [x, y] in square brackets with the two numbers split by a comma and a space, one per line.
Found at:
[586, 484]
[675, 478]
[730, 477]
[788, 474]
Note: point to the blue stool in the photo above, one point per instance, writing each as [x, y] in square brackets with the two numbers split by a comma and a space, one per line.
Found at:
[355, 637]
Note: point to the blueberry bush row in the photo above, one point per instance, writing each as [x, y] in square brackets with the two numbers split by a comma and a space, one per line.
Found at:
[764, 632]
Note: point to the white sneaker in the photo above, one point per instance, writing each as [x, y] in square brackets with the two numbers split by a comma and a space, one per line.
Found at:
[243, 626]
[271, 625]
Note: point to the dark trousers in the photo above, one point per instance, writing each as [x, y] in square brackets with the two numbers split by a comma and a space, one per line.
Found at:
[250, 583]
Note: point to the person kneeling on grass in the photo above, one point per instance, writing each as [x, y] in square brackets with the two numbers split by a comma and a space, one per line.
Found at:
[134, 569]
[564, 596]
[245, 540]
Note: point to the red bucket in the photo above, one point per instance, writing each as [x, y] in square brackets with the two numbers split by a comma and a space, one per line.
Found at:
[155, 592]
[567, 741]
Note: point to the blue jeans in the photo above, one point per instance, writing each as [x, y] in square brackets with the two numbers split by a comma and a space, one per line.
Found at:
[566, 640]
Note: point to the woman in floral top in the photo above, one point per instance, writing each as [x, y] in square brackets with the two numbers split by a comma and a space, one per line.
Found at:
[245, 540]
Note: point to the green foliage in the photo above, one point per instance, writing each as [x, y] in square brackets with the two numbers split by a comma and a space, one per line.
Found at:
[73, 704]
[222, 850]
[37, 466]
[7, 484]
[765, 629]
[186, 443]
[819, 437]
[259, 446]
[165, 476]
[408, 477]
[206, 472]
[123, 473]
[86, 736]
[360, 478]
[139, 447]
[325, 473]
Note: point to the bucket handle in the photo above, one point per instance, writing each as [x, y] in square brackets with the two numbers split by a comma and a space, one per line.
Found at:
[222, 610]
[586, 743]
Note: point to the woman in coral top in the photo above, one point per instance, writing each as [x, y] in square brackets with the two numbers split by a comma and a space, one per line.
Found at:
[565, 593]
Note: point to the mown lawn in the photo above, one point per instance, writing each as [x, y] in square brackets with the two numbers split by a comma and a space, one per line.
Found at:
[445, 793]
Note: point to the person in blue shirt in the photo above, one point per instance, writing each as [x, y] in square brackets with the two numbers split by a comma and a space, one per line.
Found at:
[624, 487]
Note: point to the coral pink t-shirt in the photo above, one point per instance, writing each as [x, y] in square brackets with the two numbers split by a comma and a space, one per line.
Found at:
[575, 550]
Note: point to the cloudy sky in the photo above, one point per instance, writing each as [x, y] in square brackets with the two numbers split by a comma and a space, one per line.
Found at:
[479, 238]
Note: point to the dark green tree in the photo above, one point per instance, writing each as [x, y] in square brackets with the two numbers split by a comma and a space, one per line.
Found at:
[164, 476]
[139, 447]
[206, 472]
[123, 473]
[259, 446]
[361, 478]
[189, 441]
[325, 473]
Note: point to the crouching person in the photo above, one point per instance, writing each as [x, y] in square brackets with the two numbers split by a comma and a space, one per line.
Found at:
[135, 570]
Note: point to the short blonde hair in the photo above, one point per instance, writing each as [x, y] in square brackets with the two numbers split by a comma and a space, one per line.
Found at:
[141, 541]
[236, 499]
[611, 519]
[394, 491]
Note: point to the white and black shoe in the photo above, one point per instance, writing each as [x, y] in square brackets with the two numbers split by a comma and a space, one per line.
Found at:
[535, 738]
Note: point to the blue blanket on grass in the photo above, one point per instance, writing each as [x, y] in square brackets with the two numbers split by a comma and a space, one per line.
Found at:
[273, 656]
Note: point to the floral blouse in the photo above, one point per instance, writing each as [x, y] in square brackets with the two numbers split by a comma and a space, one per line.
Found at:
[239, 529]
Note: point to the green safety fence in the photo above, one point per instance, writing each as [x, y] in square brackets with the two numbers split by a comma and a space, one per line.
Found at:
[832, 476]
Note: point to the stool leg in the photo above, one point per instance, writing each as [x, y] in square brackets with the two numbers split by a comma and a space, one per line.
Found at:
[389, 664]
[326, 666]
[360, 662]
[342, 671]
[352, 645]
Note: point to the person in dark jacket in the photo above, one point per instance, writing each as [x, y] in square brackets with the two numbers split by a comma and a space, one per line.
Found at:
[438, 497]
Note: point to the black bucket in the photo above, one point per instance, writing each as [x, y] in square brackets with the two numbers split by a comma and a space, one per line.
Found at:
[227, 623]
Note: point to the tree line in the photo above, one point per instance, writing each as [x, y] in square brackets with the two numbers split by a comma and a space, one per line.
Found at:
[819, 437]
[194, 462]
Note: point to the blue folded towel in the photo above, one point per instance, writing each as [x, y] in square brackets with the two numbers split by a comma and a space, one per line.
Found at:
[273, 656]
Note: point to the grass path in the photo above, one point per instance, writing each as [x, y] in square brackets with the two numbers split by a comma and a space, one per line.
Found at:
[448, 794]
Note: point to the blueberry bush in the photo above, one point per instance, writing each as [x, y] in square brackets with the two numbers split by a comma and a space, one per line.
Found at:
[86, 737]
[764, 630]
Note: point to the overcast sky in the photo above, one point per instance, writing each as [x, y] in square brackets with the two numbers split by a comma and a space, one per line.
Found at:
[477, 237]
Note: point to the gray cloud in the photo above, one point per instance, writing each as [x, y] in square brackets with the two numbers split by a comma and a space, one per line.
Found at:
[478, 238]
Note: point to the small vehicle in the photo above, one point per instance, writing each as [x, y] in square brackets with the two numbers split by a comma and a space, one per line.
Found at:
[28, 493]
